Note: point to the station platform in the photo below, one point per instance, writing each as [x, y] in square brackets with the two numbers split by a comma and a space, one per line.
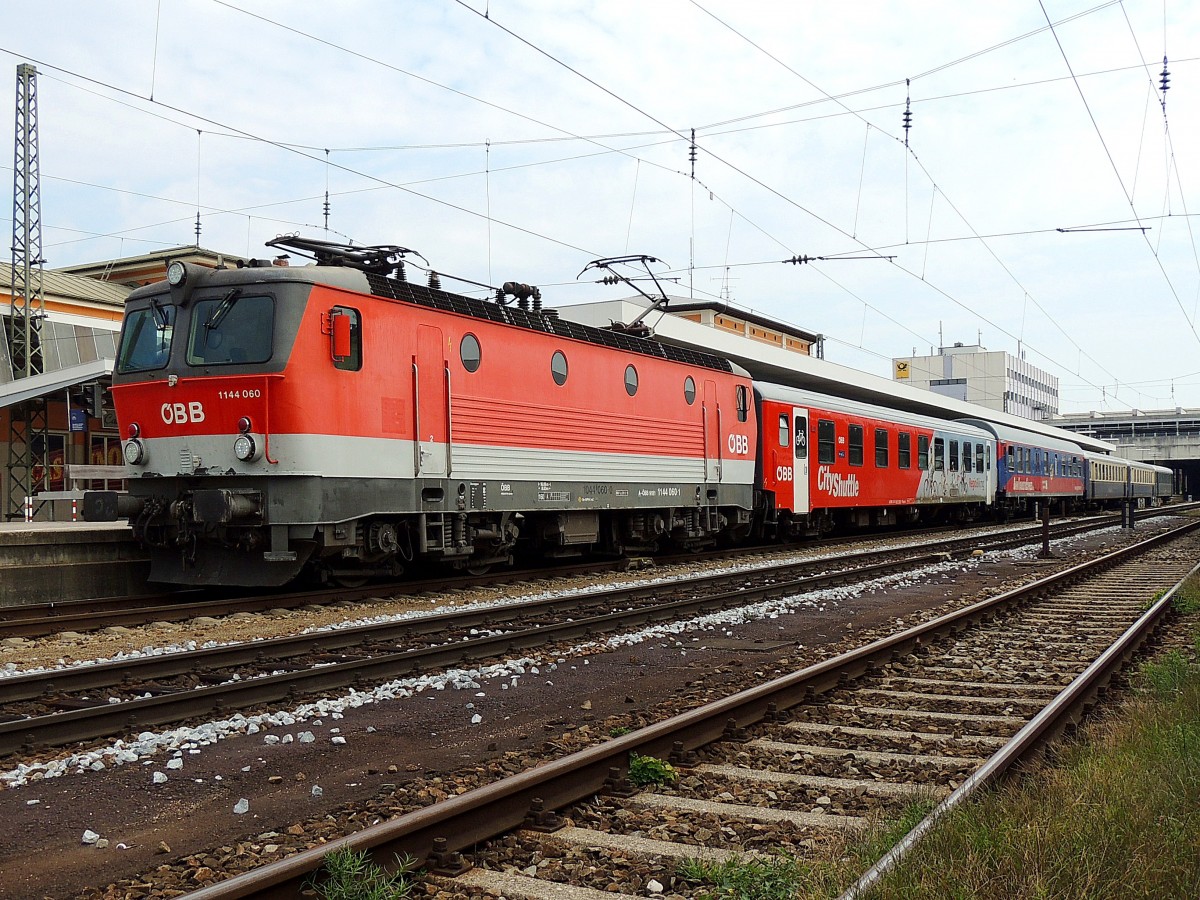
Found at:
[54, 561]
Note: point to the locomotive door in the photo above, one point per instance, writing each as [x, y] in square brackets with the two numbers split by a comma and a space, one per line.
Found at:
[711, 411]
[431, 404]
[800, 504]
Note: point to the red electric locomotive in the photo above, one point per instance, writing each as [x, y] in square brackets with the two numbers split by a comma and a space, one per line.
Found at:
[339, 418]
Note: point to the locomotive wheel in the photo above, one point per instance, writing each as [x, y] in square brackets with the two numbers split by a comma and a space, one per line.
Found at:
[481, 569]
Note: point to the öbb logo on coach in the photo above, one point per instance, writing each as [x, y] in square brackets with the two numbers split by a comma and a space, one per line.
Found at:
[181, 413]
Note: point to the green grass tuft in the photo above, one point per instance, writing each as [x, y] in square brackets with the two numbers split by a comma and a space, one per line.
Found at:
[349, 874]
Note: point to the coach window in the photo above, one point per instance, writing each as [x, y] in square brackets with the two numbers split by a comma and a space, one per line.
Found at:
[826, 441]
[856, 445]
[1010, 456]
[979, 457]
[743, 403]
[954, 456]
[689, 390]
[967, 467]
[904, 450]
[558, 367]
[939, 454]
[923, 452]
[469, 352]
[881, 448]
[785, 430]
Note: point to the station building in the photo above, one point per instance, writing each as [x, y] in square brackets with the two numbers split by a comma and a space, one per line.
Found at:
[993, 379]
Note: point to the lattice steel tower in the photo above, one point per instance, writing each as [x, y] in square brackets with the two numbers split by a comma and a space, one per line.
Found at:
[27, 421]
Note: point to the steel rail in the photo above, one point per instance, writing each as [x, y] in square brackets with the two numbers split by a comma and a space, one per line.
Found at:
[113, 718]
[802, 577]
[41, 619]
[437, 832]
[1064, 710]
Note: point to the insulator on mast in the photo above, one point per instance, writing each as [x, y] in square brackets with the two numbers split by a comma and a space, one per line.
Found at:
[1164, 81]
[907, 110]
[692, 154]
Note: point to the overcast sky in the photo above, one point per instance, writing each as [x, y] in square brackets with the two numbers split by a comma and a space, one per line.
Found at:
[510, 140]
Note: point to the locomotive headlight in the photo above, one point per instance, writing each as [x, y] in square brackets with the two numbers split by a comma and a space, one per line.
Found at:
[176, 273]
[244, 448]
[135, 452]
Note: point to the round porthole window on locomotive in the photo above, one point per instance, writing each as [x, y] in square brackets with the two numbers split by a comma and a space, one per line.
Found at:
[469, 352]
[689, 390]
[558, 367]
[631, 380]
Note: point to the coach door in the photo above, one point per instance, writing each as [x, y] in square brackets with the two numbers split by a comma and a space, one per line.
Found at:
[431, 404]
[800, 460]
[711, 411]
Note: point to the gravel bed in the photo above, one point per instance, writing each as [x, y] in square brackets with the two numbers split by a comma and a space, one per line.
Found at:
[161, 840]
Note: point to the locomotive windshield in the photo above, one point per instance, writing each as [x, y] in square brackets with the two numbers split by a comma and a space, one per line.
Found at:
[233, 328]
[146, 338]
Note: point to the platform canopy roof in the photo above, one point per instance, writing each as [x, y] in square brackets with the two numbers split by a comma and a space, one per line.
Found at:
[766, 362]
[50, 382]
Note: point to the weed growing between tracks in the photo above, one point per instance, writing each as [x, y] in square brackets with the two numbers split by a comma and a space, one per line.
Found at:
[350, 875]
[786, 877]
[1118, 815]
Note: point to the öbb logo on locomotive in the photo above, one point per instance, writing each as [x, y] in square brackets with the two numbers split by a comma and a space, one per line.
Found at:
[393, 424]
[181, 413]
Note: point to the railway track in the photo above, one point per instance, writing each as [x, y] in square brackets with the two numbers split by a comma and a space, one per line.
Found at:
[34, 620]
[86, 702]
[933, 711]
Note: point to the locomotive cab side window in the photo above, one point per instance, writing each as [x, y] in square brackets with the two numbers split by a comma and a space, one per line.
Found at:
[856, 445]
[904, 450]
[631, 380]
[826, 441]
[352, 361]
[231, 329]
[743, 403]
[689, 390]
[146, 338]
